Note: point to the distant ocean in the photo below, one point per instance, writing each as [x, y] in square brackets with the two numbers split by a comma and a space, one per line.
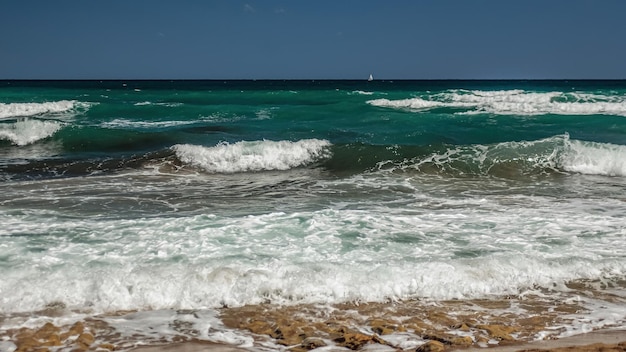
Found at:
[157, 196]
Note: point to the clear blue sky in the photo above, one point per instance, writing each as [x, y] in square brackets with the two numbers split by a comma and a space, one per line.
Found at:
[315, 39]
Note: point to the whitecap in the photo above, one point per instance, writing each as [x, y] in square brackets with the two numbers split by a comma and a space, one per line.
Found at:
[556, 153]
[513, 102]
[28, 131]
[12, 110]
[594, 158]
[126, 123]
[411, 103]
[253, 155]
[166, 104]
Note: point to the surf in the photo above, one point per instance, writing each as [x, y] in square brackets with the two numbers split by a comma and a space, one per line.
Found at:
[247, 156]
[13, 110]
[285, 194]
[28, 131]
[512, 102]
[556, 155]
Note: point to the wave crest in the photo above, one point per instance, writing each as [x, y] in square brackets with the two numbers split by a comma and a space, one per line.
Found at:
[28, 131]
[512, 102]
[247, 156]
[557, 154]
[11, 110]
[412, 103]
[594, 158]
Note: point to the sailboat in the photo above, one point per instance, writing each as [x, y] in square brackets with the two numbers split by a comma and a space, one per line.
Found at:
[371, 78]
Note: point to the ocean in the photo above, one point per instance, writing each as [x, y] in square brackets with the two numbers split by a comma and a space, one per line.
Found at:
[140, 204]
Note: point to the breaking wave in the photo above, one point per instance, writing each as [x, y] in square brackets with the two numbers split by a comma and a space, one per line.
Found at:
[28, 131]
[247, 156]
[594, 158]
[12, 110]
[557, 154]
[512, 102]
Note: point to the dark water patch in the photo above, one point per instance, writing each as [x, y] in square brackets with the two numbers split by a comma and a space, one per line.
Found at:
[355, 158]
[55, 168]
[511, 160]
[91, 139]
[207, 129]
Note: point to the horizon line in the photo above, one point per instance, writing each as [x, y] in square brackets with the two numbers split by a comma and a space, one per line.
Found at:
[311, 79]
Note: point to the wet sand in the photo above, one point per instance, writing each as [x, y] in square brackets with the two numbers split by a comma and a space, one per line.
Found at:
[190, 347]
[603, 340]
[599, 341]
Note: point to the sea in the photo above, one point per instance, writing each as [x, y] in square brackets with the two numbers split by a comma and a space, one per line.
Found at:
[135, 200]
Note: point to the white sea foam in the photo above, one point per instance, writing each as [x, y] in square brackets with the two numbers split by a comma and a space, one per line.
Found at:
[148, 103]
[205, 324]
[555, 153]
[411, 103]
[28, 131]
[30, 109]
[432, 242]
[513, 102]
[126, 123]
[594, 158]
[326, 256]
[253, 156]
[145, 327]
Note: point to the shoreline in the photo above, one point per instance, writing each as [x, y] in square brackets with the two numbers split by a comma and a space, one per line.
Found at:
[601, 341]
[583, 316]
[191, 346]
[503, 325]
[591, 341]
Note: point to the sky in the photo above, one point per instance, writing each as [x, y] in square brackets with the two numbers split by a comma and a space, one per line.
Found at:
[315, 39]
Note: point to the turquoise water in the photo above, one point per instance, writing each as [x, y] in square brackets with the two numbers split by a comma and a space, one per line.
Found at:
[201, 194]
[367, 123]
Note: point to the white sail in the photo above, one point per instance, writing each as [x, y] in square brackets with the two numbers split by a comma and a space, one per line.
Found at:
[371, 78]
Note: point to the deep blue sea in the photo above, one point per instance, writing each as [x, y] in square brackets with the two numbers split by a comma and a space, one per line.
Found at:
[161, 195]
